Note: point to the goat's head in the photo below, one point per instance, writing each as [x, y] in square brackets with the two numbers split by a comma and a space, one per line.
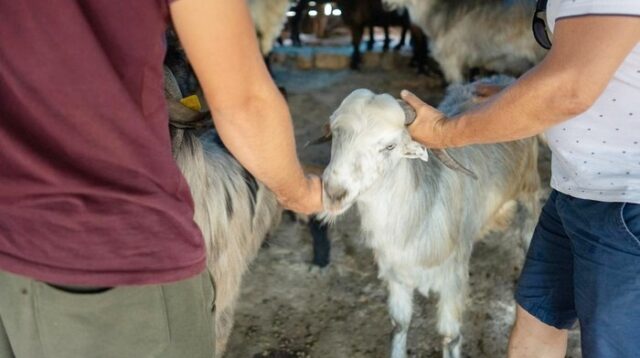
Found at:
[369, 140]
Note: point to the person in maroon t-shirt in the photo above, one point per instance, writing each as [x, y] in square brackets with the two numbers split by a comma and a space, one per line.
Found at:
[99, 253]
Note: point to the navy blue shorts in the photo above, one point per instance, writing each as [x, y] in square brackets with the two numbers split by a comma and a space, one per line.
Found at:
[584, 265]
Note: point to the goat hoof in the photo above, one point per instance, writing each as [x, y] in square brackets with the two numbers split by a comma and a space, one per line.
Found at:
[451, 347]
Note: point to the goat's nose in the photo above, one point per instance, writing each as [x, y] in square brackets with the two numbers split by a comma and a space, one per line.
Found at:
[335, 194]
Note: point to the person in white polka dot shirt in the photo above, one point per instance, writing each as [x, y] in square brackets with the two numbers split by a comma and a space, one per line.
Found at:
[583, 264]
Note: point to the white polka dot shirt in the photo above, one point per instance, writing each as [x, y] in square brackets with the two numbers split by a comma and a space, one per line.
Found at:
[596, 155]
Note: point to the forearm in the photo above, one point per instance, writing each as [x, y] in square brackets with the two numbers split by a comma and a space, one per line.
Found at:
[586, 53]
[260, 136]
[249, 112]
[540, 99]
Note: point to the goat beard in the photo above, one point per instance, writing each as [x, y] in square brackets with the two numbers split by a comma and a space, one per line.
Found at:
[329, 217]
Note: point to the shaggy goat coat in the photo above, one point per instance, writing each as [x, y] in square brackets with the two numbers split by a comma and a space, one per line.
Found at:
[419, 217]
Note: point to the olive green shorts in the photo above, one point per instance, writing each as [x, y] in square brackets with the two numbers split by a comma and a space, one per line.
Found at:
[38, 320]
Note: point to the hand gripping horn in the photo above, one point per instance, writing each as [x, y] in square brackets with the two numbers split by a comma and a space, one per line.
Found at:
[442, 155]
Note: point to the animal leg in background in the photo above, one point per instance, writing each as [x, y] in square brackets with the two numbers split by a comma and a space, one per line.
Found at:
[321, 243]
[420, 50]
[406, 25]
[387, 40]
[532, 205]
[356, 38]
[320, 236]
[296, 21]
[530, 199]
[372, 38]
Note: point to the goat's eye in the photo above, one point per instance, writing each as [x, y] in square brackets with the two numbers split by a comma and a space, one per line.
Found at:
[390, 147]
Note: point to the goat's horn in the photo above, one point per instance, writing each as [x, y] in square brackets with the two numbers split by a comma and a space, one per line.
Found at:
[326, 137]
[409, 113]
[442, 155]
[450, 162]
[319, 140]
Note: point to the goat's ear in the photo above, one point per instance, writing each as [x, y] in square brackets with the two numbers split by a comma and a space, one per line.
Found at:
[326, 136]
[415, 150]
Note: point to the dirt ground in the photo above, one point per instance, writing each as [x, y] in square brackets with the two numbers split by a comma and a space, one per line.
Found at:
[289, 309]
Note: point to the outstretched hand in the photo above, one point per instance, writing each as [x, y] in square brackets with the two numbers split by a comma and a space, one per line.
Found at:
[428, 128]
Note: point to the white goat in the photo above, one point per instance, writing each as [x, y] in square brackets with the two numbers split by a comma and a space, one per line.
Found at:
[419, 217]
[463, 34]
[269, 17]
[233, 210]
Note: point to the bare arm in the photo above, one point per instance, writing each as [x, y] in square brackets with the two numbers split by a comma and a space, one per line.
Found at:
[249, 112]
[586, 53]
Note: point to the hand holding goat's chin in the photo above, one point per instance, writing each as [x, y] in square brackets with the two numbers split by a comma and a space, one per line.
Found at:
[308, 199]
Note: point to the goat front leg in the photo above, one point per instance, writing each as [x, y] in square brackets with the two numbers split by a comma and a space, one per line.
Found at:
[400, 309]
[356, 38]
[450, 309]
[372, 38]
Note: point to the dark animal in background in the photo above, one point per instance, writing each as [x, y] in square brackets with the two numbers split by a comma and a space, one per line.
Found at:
[419, 41]
[420, 58]
[360, 14]
[385, 23]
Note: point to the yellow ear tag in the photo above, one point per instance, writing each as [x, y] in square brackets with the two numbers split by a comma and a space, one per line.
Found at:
[192, 102]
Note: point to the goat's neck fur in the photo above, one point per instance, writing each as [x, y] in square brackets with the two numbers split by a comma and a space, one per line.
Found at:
[440, 210]
[411, 191]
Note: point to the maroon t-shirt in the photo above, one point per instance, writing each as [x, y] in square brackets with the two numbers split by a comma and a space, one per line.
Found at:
[89, 191]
